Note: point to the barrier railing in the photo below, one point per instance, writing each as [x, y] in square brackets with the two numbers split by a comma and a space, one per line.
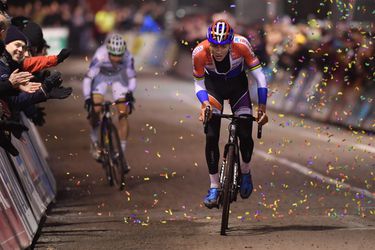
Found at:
[27, 187]
[336, 103]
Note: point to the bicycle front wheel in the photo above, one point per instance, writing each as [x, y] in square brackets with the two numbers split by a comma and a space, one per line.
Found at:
[117, 159]
[227, 185]
[105, 150]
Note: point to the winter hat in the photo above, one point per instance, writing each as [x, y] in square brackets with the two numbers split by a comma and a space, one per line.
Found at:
[20, 22]
[14, 34]
[34, 34]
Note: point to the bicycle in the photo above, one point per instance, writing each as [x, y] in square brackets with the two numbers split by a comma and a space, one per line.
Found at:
[229, 175]
[112, 157]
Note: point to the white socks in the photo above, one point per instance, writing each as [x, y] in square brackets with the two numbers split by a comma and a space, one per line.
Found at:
[214, 178]
[123, 145]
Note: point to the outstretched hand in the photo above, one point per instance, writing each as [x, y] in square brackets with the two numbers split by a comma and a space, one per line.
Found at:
[30, 87]
[64, 53]
[19, 78]
[60, 93]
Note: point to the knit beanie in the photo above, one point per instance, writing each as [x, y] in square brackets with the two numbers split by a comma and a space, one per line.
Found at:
[14, 34]
[34, 34]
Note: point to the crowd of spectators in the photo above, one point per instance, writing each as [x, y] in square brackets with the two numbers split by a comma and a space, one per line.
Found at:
[342, 52]
[24, 80]
[89, 22]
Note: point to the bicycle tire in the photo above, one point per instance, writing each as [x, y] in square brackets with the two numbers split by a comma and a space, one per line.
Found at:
[105, 149]
[226, 189]
[117, 159]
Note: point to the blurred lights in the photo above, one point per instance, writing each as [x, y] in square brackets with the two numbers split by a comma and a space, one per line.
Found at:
[180, 13]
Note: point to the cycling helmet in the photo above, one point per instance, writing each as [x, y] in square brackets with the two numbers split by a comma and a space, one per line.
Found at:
[116, 45]
[220, 33]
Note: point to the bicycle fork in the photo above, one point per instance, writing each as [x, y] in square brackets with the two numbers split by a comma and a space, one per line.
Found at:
[235, 184]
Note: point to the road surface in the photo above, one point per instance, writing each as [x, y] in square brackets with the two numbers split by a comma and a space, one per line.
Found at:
[314, 183]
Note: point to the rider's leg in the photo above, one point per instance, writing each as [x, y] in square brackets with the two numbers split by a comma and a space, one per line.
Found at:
[212, 142]
[212, 150]
[99, 88]
[246, 144]
[119, 90]
[94, 118]
[212, 158]
[242, 106]
[122, 109]
[95, 125]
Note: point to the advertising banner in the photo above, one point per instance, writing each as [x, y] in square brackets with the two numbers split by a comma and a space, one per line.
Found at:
[15, 199]
[56, 38]
[30, 178]
[39, 162]
[13, 234]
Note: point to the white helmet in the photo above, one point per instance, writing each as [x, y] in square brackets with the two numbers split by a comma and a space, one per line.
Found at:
[116, 45]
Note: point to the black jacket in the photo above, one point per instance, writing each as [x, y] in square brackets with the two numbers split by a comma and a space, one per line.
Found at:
[18, 100]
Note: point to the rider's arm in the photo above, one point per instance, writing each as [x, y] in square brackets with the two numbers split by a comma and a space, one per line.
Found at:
[130, 71]
[198, 73]
[255, 69]
[93, 71]
[38, 63]
[262, 86]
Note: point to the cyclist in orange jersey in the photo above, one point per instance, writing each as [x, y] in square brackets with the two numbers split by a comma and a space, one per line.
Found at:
[220, 66]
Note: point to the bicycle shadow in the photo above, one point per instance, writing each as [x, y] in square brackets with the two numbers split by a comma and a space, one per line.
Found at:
[267, 229]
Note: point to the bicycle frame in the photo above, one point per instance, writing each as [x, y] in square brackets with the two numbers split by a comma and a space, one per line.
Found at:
[232, 140]
[229, 172]
[113, 159]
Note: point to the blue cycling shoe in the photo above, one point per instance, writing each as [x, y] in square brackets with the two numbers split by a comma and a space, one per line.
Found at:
[212, 198]
[246, 187]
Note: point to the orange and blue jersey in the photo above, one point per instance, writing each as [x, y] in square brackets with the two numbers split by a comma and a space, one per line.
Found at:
[241, 57]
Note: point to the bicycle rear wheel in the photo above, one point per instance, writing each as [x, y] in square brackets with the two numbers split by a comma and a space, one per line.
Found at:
[117, 159]
[227, 185]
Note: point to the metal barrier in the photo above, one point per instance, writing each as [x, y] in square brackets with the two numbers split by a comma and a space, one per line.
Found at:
[27, 187]
[308, 96]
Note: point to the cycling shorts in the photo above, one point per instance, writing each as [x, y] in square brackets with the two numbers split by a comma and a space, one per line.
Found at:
[117, 82]
[233, 89]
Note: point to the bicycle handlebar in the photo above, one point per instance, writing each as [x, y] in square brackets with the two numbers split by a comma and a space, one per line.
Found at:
[230, 116]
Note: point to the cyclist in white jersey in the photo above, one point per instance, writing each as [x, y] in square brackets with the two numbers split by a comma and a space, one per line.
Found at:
[111, 65]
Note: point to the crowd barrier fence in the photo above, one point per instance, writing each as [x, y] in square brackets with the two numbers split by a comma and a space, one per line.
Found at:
[27, 187]
[335, 103]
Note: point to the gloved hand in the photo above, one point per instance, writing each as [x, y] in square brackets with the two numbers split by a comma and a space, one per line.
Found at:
[45, 73]
[88, 105]
[5, 143]
[262, 118]
[203, 111]
[14, 127]
[60, 93]
[129, 98]
[38, 116]
[52, 81]
[64, 53]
